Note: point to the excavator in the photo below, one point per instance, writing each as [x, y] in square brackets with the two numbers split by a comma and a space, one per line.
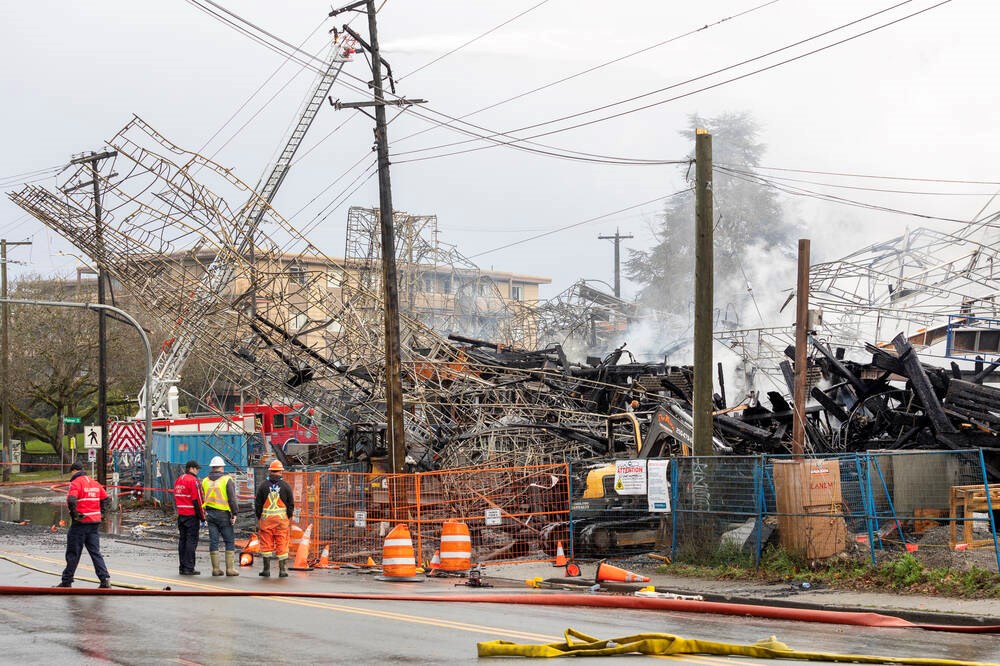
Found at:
[595, 502]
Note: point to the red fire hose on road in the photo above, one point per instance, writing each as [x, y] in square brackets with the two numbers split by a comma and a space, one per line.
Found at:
[544, 599]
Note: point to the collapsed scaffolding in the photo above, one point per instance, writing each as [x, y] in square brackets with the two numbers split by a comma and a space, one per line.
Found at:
[253, 299]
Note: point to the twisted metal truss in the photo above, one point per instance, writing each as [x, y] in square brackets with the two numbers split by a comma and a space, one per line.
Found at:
[257, 305]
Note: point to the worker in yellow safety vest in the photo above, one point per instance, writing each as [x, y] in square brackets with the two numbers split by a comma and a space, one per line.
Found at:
[274, 507]
[221, 508]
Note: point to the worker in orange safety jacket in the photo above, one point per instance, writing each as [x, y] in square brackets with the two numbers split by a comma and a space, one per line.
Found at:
[274, 506]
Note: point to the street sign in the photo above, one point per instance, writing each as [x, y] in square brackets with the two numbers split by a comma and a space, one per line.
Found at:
[91, 437]
[71, 419]
[92, 455]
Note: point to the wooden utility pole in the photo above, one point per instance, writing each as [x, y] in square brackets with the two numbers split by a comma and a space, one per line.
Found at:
[5, 361]
[102, 321]
[617, 238]
[704, 291]
[390, 286]
[801, 352]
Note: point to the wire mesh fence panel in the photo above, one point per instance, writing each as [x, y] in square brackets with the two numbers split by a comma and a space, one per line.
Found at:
[718, 507]
[619, 507]
[937, 503]
[511, 513]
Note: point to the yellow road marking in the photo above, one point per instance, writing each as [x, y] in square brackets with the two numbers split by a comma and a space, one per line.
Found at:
[16, 614]
[388, 615]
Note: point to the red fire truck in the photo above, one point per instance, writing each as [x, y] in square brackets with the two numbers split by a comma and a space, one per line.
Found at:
[280, 425]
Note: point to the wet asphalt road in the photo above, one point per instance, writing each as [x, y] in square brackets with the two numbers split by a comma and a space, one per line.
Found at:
[306, 631]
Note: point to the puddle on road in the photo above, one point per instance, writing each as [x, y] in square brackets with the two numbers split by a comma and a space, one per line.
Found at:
[45, 508]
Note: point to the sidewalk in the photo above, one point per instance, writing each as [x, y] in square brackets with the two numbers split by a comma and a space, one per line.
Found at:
[782, 593]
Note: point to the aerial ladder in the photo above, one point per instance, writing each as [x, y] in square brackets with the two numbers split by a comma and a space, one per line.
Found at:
[218, 275]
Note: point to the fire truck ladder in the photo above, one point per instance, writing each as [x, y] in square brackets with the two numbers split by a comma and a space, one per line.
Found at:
[166, 370]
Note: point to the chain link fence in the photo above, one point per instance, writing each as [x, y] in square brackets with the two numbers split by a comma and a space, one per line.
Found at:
[870, 506]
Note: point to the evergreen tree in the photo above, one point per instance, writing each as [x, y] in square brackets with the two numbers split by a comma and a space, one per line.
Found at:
[748, 220]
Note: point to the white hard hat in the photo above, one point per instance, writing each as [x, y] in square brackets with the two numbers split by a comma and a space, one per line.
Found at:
[217, 461]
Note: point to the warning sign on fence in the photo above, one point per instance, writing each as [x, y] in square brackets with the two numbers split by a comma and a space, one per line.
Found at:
[493, 517]
[630, 477]
[360, 518]
[657, 486]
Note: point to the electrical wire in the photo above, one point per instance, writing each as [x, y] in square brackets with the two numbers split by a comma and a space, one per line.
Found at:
[471, 41]
[690, 80]
[304, 61]
[580, 223]
[797, 191]
[594, 68]
[785, 179]
[869, 176]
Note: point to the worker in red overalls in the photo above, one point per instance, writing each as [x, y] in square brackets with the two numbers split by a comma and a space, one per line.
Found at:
[274, 507]
[190, 513]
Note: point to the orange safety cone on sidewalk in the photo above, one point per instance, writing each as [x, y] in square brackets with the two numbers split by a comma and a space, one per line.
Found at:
[302, 555]
[608, 572]
[435, 564]
[324, 559]
[246, 559]
[456, 547]
[560, 556]
[398, 562]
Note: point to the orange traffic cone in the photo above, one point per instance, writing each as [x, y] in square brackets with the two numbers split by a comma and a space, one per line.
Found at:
[324, 559]
[572, 570]
[456, 547]
[302, 555]
[370, 563]
[246, 559]
[607, 572]
[398, 562]
[560, 556]
[435, 565]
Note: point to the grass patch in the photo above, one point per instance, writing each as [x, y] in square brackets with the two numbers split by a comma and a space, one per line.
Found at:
[902, 574]
[40, 475]
[37, 446]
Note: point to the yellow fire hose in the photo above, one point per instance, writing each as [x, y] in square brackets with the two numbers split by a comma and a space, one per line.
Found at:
[668, 644]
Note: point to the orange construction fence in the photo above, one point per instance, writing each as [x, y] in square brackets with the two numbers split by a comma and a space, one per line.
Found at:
[517, 513]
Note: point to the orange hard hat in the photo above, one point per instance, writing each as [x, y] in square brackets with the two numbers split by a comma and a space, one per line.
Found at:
[276, 466]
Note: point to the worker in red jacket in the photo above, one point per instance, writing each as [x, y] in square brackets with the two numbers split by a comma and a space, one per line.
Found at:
[87, 500]
[190, 514]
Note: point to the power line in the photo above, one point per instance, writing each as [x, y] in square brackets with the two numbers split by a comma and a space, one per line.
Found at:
[870, 176]
[797, 191]
[693, 79]
[579, 224]
[602, 65]
[552, 151]
[474, 39]
[785, 179]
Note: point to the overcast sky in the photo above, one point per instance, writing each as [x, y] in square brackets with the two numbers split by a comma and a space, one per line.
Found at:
[914, 99]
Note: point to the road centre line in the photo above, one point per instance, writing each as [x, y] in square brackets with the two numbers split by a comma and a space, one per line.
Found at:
[388, 615]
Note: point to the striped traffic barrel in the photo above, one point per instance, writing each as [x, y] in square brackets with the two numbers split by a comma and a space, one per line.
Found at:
[456, 547]
[397, 554]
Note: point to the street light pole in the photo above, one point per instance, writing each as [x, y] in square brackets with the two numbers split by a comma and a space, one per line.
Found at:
[100, 307]
[5, 361]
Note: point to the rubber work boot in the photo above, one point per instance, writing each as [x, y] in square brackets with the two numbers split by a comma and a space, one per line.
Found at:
[266, 571]
[282, 568]
[216, 569]
[231, 569]
[62, 584]
[105, 584]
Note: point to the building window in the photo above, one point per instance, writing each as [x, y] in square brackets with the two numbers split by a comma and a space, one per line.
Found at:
[516, 292]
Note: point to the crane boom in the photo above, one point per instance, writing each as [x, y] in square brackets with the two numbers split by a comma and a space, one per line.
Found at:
[175, 352]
